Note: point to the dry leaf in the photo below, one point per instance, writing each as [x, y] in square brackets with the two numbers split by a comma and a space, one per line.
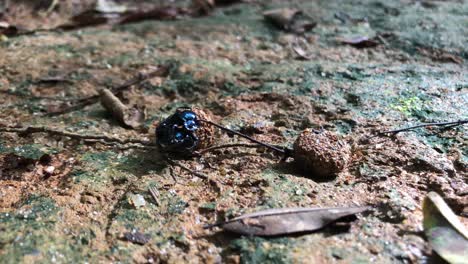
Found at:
[285, 221]
[158, 13]
[289, 19]
[444, 231]
[281, 17]
[118, 15]
[203, 6]
[440, 55]
[108, 6]
[8, 30]
[360, 42]
[133, 117]
[298, 47]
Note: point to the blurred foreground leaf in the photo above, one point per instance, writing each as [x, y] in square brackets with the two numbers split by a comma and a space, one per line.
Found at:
[444, 231]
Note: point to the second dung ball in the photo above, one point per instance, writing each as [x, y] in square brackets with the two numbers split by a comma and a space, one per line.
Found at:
[321, 154]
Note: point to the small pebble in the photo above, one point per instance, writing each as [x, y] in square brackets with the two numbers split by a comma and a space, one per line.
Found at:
[50, 169]
[137, 237]
[137, 200]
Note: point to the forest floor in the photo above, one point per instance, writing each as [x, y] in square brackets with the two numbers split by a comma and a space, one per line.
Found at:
[67, 200]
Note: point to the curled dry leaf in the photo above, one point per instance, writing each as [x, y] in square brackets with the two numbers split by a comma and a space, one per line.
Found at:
[289, 19]
[157, 13]
[108, 6]
[203, 6]
[285, 221]
[8, 30]
[281, 17]
[444, 231]
[299, 47]
[108, 13]
[360, 42]
[133, 117]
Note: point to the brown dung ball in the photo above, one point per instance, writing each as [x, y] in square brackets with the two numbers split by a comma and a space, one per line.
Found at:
[205, 133]
[321, 154]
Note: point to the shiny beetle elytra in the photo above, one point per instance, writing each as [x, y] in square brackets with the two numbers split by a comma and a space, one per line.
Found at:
[176, 134]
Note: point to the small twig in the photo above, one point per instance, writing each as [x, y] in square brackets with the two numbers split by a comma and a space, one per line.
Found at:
[180, 165]
[155, 194]
[32, 97]
[145, 147]
[451, 124]
[244, 145]
[195, 173]
[32, 130]
[284, 151]
[83, 102]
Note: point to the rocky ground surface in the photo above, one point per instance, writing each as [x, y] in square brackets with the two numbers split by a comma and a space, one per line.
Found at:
[65, 200]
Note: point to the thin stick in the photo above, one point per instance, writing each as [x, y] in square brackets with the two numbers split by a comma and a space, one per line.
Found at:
[451, 124]
[286, 152]
[178, 164]
[32, 130]
[203, 151]
[155, 194]
[83, 102]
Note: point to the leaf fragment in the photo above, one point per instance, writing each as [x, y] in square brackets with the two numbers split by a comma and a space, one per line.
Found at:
[360, 42]
[133, 117]
[108, 6]
[289, 19]
[444, 231]
[285, 221]
[137, 237]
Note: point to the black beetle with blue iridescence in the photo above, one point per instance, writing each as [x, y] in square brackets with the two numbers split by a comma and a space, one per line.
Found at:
[176, 134]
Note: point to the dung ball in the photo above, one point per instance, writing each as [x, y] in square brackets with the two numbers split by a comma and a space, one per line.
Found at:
[321, 154]
[206, 133]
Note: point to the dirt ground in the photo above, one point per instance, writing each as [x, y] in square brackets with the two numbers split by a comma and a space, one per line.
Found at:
[67, 200]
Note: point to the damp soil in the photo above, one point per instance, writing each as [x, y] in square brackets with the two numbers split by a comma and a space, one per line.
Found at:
[65, 200]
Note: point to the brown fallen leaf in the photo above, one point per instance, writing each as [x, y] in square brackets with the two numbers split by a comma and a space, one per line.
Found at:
[104, 12]
[108, 6]
[89, 18]
[360, 42]
[439, 55]
[157, 13]
[299, 47]
[132, 117]
[8, 30]
[203, 6]
[289, 19]
[109, 12]
[285, 221]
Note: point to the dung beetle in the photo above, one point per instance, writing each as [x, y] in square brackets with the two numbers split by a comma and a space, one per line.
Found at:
[176, 134]
[188, 130]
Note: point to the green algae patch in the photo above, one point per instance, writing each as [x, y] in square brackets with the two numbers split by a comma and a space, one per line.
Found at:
[29, 228]
[408, 106]
[260, 250]
[28, 151]
[280, 190]
[102, 169]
